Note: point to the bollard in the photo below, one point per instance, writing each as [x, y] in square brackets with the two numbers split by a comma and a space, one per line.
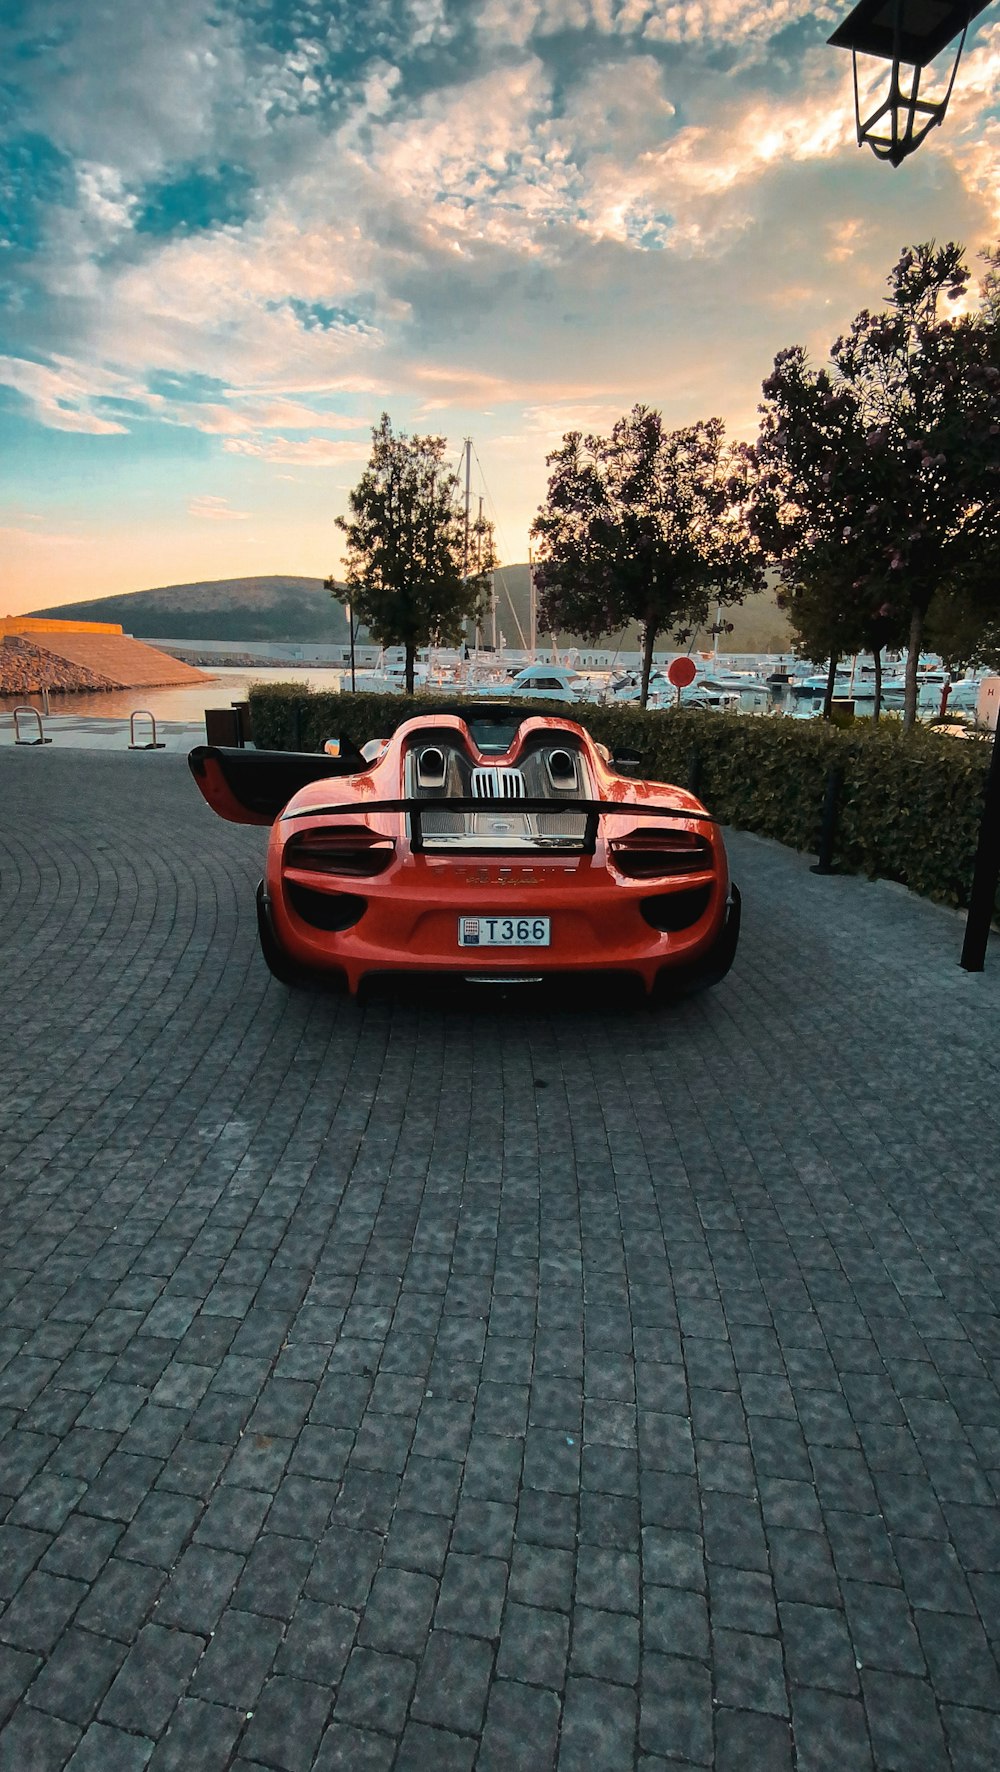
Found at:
[36, 716]
[694, 772]
[143, 714]
[828, 826]
[982, 898]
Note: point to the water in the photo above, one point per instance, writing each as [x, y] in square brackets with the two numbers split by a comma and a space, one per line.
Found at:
[177, 701]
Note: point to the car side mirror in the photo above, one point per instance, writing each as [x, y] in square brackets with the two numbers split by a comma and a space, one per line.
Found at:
[628, 763]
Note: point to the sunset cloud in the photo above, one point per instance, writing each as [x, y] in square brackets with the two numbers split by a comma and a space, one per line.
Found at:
[234, 235]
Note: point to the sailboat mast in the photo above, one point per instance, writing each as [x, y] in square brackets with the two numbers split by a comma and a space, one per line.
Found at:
[468, 493]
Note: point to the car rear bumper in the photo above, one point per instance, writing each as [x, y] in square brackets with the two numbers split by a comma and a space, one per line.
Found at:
[588, 938]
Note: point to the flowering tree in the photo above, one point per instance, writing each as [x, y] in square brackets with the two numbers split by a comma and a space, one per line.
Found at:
[646, 525]
[411, 576]
[887, 461]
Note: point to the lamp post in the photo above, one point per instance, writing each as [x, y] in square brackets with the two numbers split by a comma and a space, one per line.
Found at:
[909, 34]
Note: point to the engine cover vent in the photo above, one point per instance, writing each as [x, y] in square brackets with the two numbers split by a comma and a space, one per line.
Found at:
[497, 784]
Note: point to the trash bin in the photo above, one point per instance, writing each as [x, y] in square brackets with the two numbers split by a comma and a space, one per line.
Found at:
[842, 711]
[242, 708]
[222, 726]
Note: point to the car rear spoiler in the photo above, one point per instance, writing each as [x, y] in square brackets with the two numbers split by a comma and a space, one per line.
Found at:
[252, 787]
[591, 810]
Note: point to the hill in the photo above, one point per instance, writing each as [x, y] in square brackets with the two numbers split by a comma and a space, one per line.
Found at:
[277, 609]
[300, 610]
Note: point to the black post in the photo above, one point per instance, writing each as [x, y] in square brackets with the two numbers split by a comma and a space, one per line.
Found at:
[352, 627]
[694, 771]
[986, 873]
[828, 827]
[296, 727]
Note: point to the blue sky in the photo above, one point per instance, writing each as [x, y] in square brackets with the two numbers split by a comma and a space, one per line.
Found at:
[232, 234]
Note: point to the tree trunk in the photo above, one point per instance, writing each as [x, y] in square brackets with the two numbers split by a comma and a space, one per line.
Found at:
[648, 642]
[411, 653]
[831, 681]
[912, 665]
[878, 684]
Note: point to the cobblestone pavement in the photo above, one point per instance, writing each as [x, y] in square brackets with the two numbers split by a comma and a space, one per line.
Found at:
[435, 1386]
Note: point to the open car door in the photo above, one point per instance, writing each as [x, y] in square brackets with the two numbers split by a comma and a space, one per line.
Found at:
[253, 787]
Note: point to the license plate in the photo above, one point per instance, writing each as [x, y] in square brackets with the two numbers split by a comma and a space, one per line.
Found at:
[503, 932]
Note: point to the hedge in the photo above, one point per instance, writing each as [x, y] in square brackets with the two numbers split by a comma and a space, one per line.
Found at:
[909, 806]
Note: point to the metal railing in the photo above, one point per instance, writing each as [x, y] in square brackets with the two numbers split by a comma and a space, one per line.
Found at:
[143, 714]
[41, 739]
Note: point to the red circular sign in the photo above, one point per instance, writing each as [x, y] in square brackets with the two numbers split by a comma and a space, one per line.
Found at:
[681, 672]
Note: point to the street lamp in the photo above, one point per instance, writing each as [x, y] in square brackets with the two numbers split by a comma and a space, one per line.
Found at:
[909, 34]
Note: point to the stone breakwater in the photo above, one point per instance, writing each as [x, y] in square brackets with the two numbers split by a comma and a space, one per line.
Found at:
[26, 670]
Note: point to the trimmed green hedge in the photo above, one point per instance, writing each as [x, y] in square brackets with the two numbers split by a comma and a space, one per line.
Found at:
[909, 807]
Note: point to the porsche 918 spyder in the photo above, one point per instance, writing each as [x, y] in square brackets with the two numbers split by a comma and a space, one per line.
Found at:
[494, 845]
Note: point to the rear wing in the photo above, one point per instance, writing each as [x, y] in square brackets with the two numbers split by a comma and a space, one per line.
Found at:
[591, 812]
[253, 787]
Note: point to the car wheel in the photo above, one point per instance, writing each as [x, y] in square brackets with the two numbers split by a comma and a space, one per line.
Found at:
[278, 963]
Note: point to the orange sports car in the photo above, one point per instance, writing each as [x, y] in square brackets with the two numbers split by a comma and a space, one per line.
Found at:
[495, 845]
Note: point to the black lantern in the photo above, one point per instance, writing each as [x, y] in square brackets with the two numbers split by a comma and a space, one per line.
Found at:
[909, 34]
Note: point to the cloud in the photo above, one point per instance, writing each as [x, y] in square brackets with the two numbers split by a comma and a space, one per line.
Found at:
[241, 230]
[60, 397]
[215, 510]
[314, 452]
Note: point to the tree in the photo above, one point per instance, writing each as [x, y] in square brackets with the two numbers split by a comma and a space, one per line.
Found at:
[890, 454]
[409, 568]
[646, 525]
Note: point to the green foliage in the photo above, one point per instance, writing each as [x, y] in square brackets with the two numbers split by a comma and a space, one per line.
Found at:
[879, 477]
[909, 808]
[645, 526]
[408, 578]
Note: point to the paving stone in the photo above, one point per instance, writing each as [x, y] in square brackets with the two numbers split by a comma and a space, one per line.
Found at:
[674, 1622]
[472, 1595]
[198, 1734]
[75, 1678]
[343, 1570]
[818, 1647]
[375, 1691]
[104, 1749]
[36, 1739]
[598, 1725]
[198, 1589]
[160, 1529]
[749, 1672]
[317, 1643]
[287, 1723]
[521, 1729]
[675, 1718]
[346, 1749]
[238, 1659]
[973, 1738]
[746, 1739]
[534, 1645]
[605, 1645]
[607, 1578]
[398, 1612]
[453, 1682]
[904, 1722]
[830, 1732]
[40, 1611]
[154, 1675]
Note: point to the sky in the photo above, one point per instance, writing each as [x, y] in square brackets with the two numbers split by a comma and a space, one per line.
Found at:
[232, 234]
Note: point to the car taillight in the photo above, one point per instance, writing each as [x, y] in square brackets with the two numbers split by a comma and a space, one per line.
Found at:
[340, 849]
[647, 854]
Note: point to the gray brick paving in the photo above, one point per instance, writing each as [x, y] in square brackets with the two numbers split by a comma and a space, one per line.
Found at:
[488, 1386]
